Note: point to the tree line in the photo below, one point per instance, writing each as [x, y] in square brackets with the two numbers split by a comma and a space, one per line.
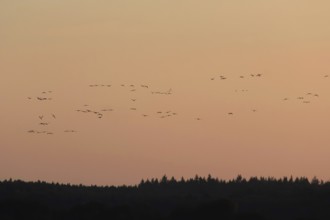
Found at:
[170, 198]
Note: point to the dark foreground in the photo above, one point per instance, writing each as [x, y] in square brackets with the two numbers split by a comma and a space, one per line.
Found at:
[196, 198]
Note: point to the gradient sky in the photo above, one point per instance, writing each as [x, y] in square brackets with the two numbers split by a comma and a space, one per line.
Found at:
[66, 45]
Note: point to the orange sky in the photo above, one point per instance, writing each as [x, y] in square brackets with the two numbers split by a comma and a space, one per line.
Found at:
[64, 46]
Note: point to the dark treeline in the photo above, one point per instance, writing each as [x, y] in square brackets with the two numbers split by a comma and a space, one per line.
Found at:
[168, 198]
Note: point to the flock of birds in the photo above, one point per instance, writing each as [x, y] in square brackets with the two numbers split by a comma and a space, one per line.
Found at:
[45, 119]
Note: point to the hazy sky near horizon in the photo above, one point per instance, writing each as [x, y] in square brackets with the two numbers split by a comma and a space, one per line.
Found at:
[64, 46]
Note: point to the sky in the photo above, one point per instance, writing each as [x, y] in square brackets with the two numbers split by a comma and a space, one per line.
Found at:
[177, 50]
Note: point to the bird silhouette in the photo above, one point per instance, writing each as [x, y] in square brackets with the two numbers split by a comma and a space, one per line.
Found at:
[70, 131]
[107, 110]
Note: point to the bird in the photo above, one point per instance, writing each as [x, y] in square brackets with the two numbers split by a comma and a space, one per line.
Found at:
[133, 108]
[133, 100]
[241, 77]
[31, 131]
[54, 116]
[41, 117]
[144, 115]
[285, 99]
[29, 97]
[326, 76]
[198, 119]
[107, 110]
[133, 90]
[43, 123]
[159, 112]
[230, 113]
[254, 110]
[71, 131]
[212, 78]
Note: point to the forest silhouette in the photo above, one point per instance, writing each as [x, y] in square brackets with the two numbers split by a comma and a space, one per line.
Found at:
[167, 198]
